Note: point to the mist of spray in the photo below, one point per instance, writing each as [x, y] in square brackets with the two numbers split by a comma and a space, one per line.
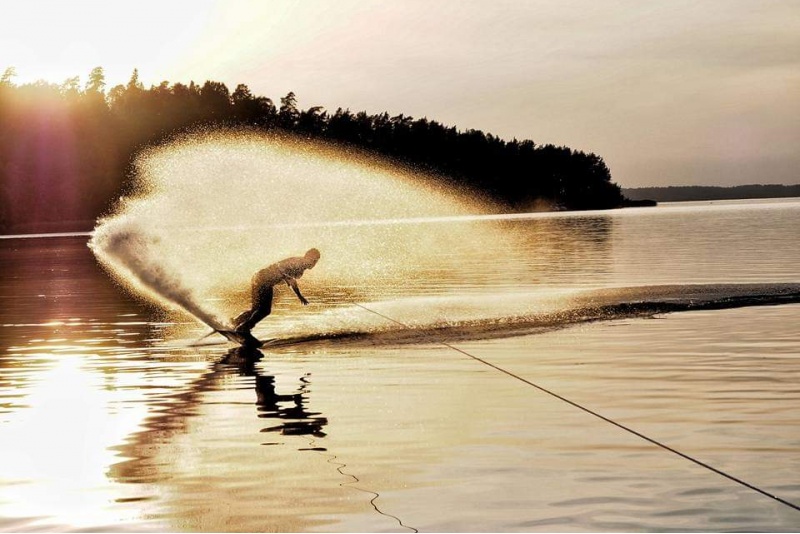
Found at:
[210, 209]
[131, 253]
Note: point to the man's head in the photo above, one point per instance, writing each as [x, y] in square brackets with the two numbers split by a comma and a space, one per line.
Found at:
[312, 257]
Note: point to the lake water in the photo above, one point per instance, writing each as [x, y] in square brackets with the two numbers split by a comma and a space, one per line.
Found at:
[379, 409]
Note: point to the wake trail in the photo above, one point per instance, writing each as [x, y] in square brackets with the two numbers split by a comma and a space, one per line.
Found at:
[470, 317]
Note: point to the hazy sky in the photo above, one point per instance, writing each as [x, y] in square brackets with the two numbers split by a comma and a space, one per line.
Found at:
[669, 93]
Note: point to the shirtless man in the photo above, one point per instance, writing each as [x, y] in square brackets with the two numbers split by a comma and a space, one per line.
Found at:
[288, 270]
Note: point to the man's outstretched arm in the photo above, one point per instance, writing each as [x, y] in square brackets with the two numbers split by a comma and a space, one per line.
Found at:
[293, 284]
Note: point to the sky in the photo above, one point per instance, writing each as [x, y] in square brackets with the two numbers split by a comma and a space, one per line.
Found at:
[669, 93]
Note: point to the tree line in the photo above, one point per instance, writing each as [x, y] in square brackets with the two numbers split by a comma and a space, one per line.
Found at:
[707, 192]
[66, 149]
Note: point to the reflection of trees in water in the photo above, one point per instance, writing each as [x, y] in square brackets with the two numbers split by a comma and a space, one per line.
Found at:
[52, 289]
[54, 279]
[548, 249]
[490, 254]
[150, 462]
[564, 249]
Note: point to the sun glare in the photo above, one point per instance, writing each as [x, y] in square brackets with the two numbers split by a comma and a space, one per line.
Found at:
[53, 41]
[62, 446]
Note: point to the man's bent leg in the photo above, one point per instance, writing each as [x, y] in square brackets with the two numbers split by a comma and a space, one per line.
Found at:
[241, 318]
[261, 308]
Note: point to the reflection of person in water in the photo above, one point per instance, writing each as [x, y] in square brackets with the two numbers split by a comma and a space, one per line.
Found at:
[296, 420]
[290, 409]
[288, 270]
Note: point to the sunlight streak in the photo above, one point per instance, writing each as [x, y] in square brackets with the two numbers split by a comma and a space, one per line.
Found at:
[54, 470]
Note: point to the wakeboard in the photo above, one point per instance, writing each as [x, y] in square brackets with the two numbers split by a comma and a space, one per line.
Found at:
[245, 339]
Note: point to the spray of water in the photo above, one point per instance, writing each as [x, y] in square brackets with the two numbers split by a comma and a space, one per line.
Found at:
[210, 209]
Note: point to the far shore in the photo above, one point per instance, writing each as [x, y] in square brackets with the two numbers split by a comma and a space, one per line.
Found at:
[705, 192]
[662, 194]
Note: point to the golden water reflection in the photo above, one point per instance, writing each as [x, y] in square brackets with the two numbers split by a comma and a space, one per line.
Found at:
[56, 446]
[109, 421]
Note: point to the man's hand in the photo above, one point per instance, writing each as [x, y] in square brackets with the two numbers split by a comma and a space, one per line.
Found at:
[293, 284]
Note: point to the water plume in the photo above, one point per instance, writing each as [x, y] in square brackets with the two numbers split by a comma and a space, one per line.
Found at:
[210, 209]
[130, 252]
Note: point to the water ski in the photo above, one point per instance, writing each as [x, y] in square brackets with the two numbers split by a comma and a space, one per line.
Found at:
[244, 339]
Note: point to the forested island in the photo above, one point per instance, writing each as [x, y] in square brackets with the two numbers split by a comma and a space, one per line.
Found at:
[705, 192]
[66, 149]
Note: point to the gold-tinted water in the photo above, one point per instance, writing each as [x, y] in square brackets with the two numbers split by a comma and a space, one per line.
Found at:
[108, 427]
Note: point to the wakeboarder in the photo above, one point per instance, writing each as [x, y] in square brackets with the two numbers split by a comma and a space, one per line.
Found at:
[288, 271]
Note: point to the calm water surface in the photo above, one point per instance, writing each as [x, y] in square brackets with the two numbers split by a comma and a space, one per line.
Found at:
[111, 420]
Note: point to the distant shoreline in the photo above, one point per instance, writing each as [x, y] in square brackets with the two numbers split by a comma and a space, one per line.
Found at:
[80, 228]
[703, 192]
